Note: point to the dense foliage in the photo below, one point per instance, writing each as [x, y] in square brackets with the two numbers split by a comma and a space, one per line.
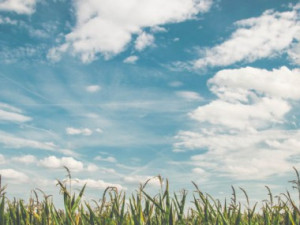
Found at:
[142, 209]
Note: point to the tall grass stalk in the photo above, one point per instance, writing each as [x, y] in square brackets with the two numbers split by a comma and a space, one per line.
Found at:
[141, 208]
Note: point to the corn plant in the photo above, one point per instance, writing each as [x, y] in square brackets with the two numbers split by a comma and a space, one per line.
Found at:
[140, 208]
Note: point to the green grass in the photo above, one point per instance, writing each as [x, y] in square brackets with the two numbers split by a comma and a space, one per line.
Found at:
[142, 209]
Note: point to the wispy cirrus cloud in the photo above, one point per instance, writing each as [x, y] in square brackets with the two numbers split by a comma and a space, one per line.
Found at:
[12, 141]
[110, 159]
[12, 114]
[189, 95]
[26, 159]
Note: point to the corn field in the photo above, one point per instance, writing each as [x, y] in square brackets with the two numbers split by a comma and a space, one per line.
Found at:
[165, 208]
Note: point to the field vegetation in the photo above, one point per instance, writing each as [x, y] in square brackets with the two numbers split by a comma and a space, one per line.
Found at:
[165, 208]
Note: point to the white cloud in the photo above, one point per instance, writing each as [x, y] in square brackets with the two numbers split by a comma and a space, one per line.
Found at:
[7, 20]
[158, 29]
[92, 115]
[42, 183]
[92, 168]
[26, 159]
[108, 171]
[13, 55]
[99, 130]
[93, 88]
[9, 108]
[202, 174]
[131, 59]
[137, 179]
[106, 159]
[199, 171]
[144, 40]
[53, 162]
[54, 54]
[75, 131]
[104, 28]
[16, 142]
[10, 113]
[2, 159]
[189, 95]
[250, 98]
[244, 156]
[69, 152]
[96, 184]
[255, 38]
[11, 116]
[14, 176]
[18, 6]
[240, 84]
[294, 52]
[242, 134]
[242, 116]
[175, 84]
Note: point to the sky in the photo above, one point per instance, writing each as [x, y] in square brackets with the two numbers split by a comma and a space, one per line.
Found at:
[122, 91]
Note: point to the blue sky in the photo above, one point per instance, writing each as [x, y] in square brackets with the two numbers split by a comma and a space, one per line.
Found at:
[120, 91]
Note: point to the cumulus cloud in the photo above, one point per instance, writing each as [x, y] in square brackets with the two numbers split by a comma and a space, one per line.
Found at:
[244, 156]
[54, 54]
[250, 98]
[137, 179]
[199, 171]
[7, 20]
[242, 116]
[75, 131]
[242, 84]
[10, 113]
[131, 59]
[144, 40]
[14, 176]
[158, 29]
[92, 168]
[96, 184]
[255, 38]
[245, 125]
[18, 6]
[93, 88]
[202, 174]
[103, 28]
[53, 162]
